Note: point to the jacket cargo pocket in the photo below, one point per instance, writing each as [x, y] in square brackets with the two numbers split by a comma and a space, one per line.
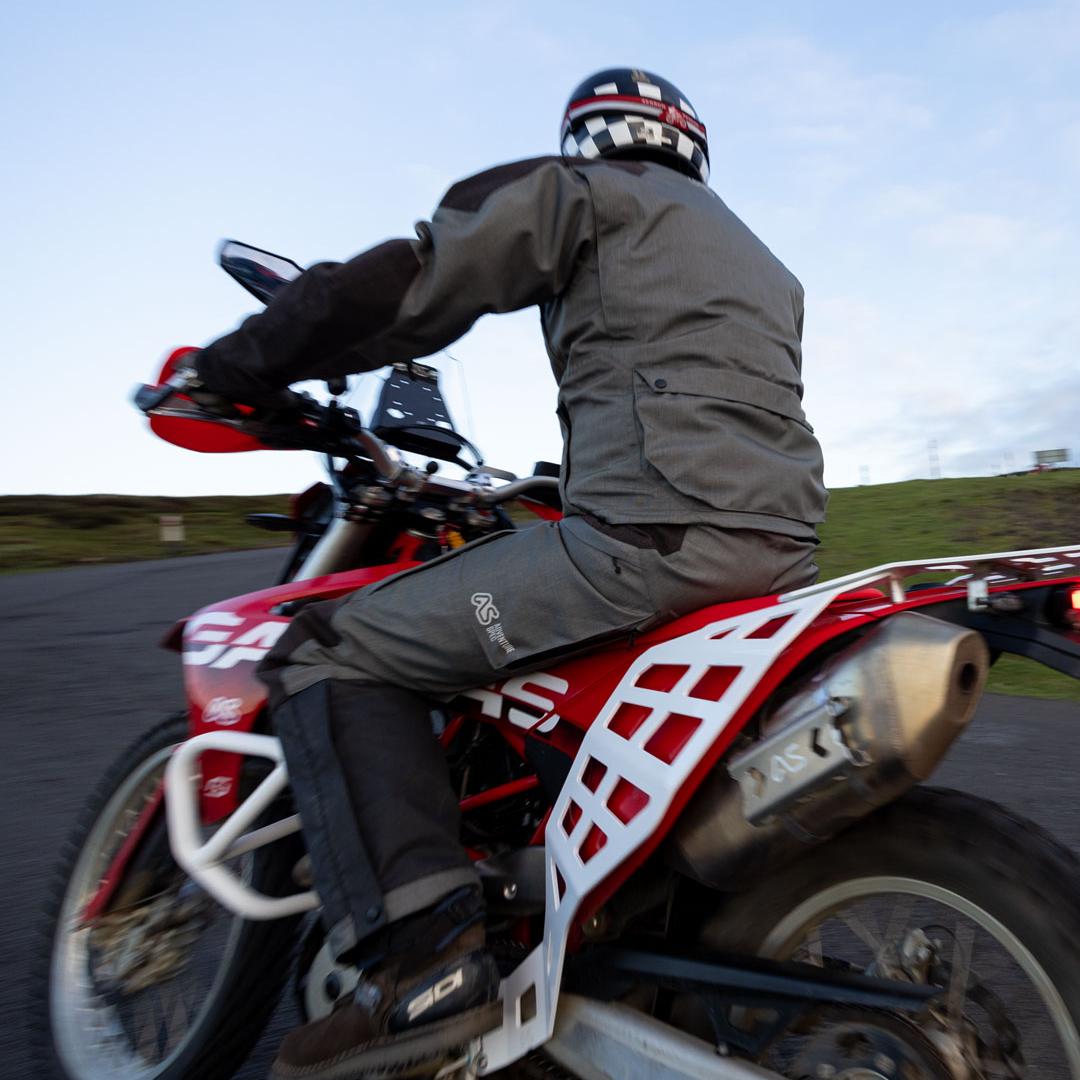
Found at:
[731, 441]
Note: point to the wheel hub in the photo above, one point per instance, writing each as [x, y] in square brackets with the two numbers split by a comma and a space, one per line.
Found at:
[140, 948]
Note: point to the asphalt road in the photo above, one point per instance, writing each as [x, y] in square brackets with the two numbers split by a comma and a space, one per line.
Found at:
[82, 677]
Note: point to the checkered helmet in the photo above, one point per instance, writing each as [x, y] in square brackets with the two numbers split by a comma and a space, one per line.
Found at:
[625, 110]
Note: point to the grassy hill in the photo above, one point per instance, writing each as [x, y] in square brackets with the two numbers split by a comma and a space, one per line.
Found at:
[931, 518]
[38, 532]
[921, 519]
[866, 526]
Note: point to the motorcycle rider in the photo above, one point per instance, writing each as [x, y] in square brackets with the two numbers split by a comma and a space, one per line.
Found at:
[689, 476]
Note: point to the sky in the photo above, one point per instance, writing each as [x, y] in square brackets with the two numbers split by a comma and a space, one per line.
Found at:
[915, 165]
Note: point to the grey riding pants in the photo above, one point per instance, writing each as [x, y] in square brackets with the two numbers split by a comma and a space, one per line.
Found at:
[352, 682]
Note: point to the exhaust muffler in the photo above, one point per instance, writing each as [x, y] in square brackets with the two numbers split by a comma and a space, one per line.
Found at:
[875, 720]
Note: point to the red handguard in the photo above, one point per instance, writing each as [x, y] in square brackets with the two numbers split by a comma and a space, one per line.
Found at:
[199, 432]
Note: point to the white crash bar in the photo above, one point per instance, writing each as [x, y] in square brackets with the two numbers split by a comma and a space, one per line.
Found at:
[204, 859]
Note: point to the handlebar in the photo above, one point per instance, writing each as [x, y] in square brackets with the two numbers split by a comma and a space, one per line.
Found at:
[336, 432]
[387, 468]
[516, 488]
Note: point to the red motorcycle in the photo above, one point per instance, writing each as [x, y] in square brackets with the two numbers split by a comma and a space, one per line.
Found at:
[704, 852]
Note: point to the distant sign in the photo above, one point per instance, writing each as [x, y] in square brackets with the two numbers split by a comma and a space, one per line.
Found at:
[1051, 457]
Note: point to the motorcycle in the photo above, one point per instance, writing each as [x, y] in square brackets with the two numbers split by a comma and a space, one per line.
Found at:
[706, 852]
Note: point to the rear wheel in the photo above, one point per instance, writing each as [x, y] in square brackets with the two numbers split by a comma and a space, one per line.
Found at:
[166, 986]
[945, 889]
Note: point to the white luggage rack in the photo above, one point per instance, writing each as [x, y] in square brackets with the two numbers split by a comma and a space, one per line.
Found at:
[586, 841]
[979, 572]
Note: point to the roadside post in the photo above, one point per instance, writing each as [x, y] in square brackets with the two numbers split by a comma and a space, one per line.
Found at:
[172, 529]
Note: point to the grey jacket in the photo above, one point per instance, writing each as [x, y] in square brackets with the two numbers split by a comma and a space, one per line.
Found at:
[673, 332]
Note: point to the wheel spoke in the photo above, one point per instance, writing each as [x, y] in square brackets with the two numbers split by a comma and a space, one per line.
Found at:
[859, 928]
[813, 947]
[898, 920]
[177, 1026]
[143, 1022]
[963, 947]
[128, 994]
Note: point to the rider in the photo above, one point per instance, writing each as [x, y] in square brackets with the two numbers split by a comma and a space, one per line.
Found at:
[689, 476]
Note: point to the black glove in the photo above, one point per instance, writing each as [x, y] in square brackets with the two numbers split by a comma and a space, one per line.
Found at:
[220, 389]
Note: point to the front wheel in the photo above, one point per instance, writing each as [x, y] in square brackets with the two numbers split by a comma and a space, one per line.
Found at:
[945, 889]
[169, 985]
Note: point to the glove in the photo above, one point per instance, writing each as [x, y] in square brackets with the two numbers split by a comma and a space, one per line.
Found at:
[220, 390]
[187, 380]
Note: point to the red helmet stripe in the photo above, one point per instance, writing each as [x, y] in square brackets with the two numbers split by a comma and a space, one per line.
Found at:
[665, 113]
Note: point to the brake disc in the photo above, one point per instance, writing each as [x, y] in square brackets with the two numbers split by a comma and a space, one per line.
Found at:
[147, 945]
[869, 1046]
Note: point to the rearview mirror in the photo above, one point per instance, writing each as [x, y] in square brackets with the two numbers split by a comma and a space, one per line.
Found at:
[260, 272]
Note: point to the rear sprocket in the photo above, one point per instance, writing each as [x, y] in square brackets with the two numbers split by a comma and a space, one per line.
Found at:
[867, 1045]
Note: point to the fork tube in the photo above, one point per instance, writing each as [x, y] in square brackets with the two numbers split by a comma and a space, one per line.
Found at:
[339, 548]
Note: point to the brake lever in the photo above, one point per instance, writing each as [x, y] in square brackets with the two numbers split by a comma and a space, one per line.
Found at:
[147, 398]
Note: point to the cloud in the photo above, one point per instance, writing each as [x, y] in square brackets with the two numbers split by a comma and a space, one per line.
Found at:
[1040, 41]
[936, 247]
[1038, 414]
[907, 202]
[1069, 145]
[797, 96]
[922, 189]
[972, 234]
[807, 87]
[989, 385]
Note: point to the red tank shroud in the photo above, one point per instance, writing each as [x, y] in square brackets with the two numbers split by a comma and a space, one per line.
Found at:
[221, 646]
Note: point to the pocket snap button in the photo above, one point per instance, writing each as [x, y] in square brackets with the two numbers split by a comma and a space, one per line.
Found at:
[660, 384]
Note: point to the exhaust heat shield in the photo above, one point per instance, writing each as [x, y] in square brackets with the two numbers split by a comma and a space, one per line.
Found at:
[875, 720]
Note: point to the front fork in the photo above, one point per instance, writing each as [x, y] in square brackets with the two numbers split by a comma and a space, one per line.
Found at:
[339, 548]
[136, 862]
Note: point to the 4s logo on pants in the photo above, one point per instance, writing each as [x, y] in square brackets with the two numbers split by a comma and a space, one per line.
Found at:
[486, 611]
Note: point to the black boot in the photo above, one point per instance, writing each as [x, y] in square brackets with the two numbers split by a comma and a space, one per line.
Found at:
[433, 990]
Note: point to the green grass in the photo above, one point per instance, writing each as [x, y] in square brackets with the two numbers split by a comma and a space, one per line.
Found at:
[930, 518]
[923, 519]
[866, 526]
[38, 532]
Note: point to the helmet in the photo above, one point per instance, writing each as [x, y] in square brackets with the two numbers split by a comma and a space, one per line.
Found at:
[631, 112]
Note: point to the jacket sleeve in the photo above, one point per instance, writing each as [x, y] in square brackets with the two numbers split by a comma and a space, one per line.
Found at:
[503, 240]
